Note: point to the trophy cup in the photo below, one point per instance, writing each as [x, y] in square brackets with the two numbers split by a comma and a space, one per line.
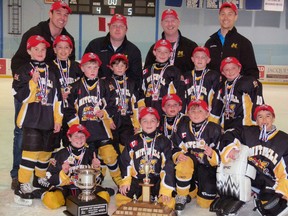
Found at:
[87, 202]
[146, 183]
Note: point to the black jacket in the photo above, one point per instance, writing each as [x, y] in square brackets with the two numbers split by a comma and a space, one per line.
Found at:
[21, 56]
[236, 46]
[103, 48]
[183, 54]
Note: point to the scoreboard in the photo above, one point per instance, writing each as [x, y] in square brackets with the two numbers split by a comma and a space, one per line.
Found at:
[111, 7]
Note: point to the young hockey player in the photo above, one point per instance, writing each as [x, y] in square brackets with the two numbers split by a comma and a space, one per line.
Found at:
[237, 97]
[171, 106]
[201, 83]
[195, 155]
[67, 71]
[153, 148]
[91, 103]
[62, 173]
[268, 154]
[40, 117]
[126, 118]
[160, 79]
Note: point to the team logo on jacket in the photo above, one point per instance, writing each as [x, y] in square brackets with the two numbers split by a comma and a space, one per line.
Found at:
[234, 45]
[180, 54]
[133, 143]
[183, 135]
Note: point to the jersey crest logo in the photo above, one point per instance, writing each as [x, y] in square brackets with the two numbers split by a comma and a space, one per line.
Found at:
[184, 135]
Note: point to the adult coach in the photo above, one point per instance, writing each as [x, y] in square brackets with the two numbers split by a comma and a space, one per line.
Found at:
[49, 30]
[116, 42]
[182, 46]
[228, 42]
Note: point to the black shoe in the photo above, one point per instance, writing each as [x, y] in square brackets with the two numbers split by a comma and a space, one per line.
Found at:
[110, 191]
[14, 183]
[24, 191]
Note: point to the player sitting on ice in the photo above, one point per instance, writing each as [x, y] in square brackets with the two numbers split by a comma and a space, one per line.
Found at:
[62, 170]
[267, 154]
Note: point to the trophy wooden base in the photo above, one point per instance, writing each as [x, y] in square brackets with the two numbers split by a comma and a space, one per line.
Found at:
[144, 209]
[76, 207]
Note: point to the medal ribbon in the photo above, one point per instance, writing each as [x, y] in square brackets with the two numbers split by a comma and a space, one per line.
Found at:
[229, 95]
[173, 126]
[198, 134]
[197, 93]
[64, 76]
[83, 150]
[98, 92]
[42, 86]
[122, 96]
[148, 157]
[264, 135]
[156, 87]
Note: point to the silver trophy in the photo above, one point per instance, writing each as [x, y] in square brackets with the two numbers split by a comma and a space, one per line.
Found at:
[146, 180]
[87, 182]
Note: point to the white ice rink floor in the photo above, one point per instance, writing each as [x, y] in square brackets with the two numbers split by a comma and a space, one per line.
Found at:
[275, 95]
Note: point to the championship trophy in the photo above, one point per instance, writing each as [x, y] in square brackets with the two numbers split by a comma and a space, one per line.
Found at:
[87, 202]
[146, 183]
[144, 207]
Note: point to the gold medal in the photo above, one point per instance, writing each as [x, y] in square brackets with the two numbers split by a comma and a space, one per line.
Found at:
[123, 112]
[44, 101]
[201, 143]
[70, 159]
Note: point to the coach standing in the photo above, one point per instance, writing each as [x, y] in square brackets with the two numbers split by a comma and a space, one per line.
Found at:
[116, 42]
[49, 30]
[228, 42]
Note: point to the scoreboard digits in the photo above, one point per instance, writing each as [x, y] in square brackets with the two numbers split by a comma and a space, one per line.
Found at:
[111, 7]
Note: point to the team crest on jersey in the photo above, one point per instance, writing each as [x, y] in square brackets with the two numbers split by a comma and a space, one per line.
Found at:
[184, 135]
[262, 165]
[133, 143]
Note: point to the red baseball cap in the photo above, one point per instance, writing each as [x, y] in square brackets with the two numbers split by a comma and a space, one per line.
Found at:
[63, 38]
[229, 60]
[34, 40]
[202, 49]
[169, 12]
[200, 103]
[118, 17]
[60, 4]
[118, 56]
[90, 57]
[263, 107]
[174, 97]
[229, 5]
[78, 128]
[149, 110]
[163, 43]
